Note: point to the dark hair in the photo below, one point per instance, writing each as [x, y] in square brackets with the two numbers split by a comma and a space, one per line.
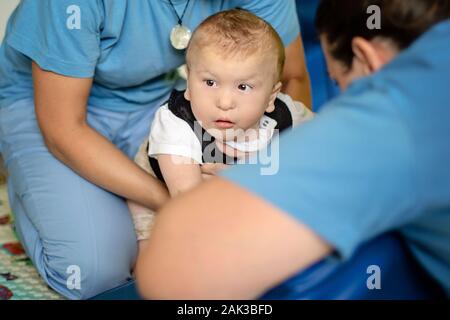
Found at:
[402, 21]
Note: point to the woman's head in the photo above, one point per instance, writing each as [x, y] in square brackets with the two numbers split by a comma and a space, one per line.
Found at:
[353, 49]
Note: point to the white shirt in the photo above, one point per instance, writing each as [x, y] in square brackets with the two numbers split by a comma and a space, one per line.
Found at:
[172, 135]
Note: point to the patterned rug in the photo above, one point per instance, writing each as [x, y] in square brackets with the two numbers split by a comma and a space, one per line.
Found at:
[19, 279]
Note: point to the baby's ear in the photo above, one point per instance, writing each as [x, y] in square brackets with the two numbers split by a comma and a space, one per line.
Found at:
[187, 94]
[276, 90]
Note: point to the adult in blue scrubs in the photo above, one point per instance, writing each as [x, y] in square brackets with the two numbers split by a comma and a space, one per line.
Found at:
[374, 159]
[79, 83]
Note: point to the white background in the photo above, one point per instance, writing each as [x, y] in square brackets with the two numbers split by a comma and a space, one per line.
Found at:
[6, 7]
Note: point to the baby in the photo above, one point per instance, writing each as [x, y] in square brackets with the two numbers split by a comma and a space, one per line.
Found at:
[232, 106]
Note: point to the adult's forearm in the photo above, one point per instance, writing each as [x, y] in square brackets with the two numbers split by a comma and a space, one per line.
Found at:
[96, 159]
[296, 81]
[299, 90]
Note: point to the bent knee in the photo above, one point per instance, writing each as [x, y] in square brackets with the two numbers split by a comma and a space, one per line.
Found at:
[85, 277]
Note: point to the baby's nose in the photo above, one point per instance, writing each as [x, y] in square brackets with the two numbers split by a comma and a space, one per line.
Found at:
[225, 102]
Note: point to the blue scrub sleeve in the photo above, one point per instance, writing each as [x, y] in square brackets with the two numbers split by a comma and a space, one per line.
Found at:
[281, 14]
[60, 36]
[347, 174]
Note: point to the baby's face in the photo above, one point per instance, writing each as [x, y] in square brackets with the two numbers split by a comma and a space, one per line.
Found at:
[230, 95]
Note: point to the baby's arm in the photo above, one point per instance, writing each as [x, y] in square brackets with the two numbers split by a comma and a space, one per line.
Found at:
[180, 173]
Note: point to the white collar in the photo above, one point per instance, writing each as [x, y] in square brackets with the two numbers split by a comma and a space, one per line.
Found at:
[265, 134]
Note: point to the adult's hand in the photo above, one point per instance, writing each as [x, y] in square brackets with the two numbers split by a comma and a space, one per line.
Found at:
[61, 104]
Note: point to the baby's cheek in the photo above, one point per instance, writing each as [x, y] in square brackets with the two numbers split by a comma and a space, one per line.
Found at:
[250, 119]
[200, 113]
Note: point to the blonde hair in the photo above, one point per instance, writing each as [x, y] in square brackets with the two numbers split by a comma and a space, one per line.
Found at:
[238, 31]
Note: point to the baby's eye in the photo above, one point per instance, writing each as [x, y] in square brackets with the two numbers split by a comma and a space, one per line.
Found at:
[210, 83]
[244, 87]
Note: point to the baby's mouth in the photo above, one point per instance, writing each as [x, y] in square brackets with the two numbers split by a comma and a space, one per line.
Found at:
[224, 124]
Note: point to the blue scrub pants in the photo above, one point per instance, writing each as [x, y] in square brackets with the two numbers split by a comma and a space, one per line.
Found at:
[79, 236]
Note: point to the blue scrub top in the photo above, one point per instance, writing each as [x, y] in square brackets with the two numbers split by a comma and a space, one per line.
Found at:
[123, 44]
[376, 158]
